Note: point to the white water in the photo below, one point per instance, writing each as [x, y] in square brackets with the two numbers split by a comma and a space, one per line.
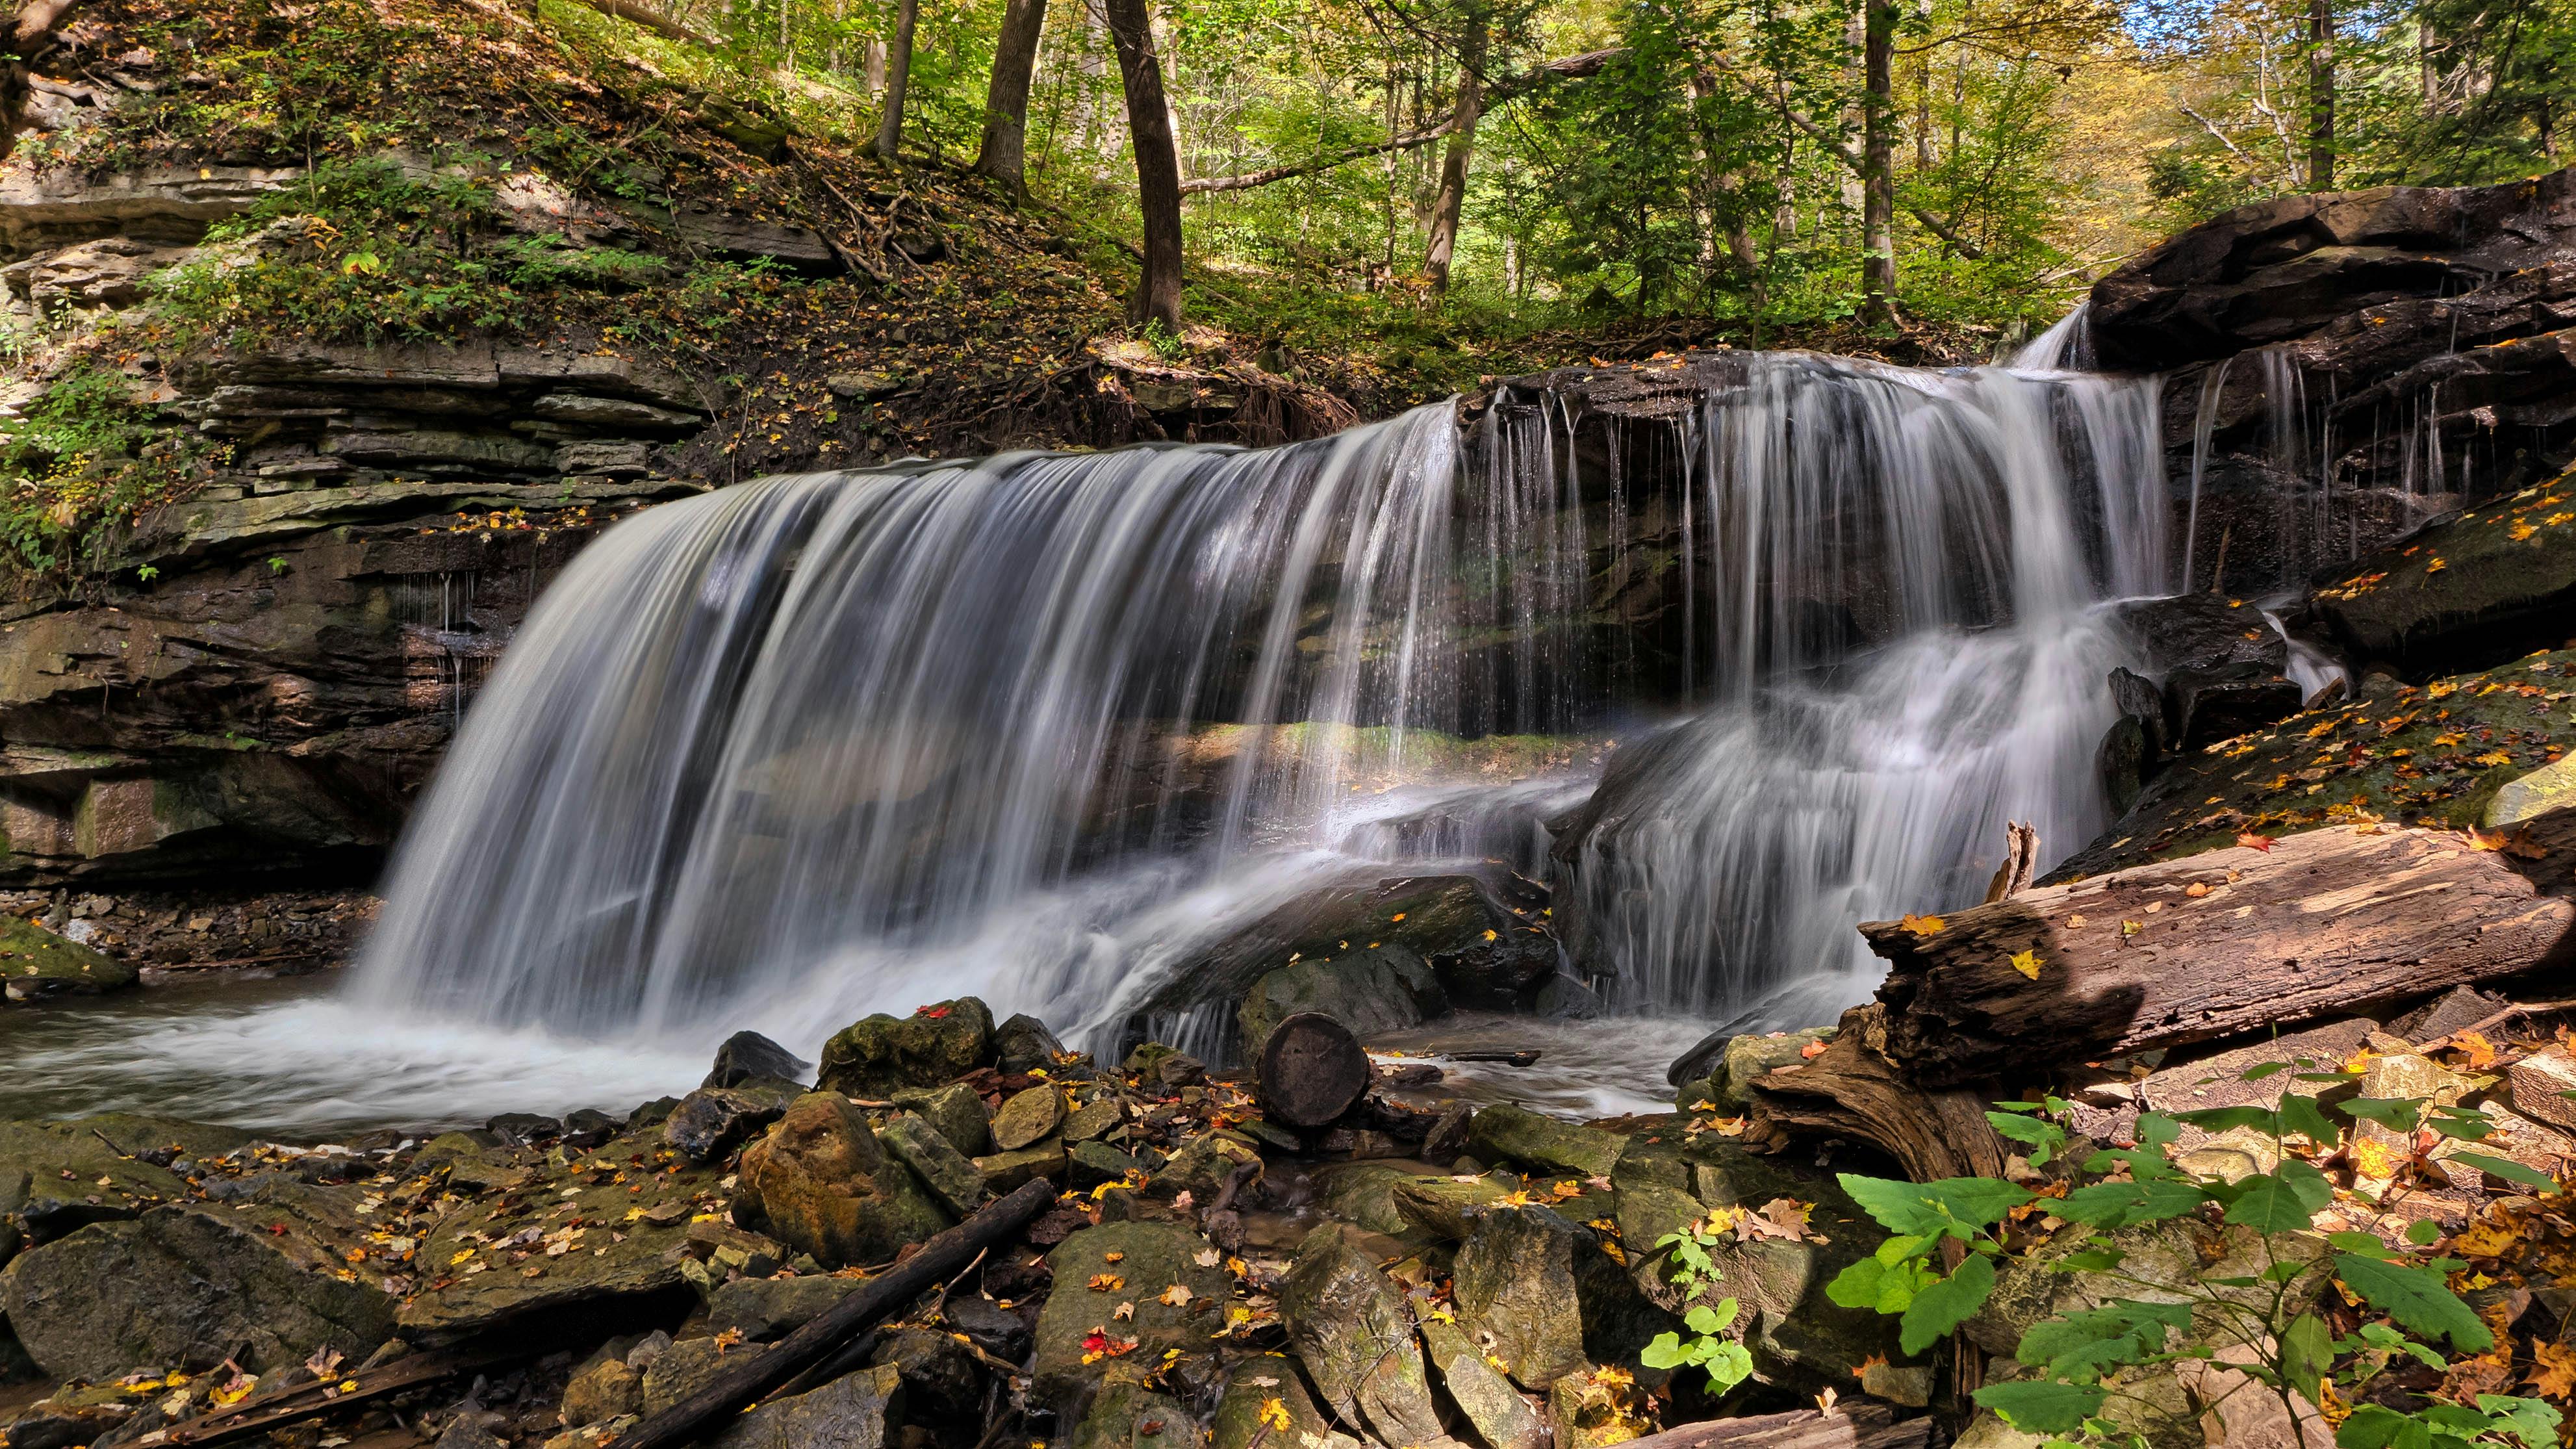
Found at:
[812, 747]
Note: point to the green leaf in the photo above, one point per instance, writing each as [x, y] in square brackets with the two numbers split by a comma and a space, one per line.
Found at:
[2045, 1136]
[2374, 1427]
[2259, 1072]
[2461, 1125]
[2226, 1119]
[2397, 1114]
[2083, 1343]
[2300, 1114]
[2530, 1420]
[2508, 1170]
[2039, 1406]
[1952, 1206]
[1876, 1286]
[2090, 1260]
[1705, 1319]
[1942, 1306]
[1664, 1352]
[2282, 1200]
[2366, 1244]
[2307, 1354]
[2127, 1204]
[2417, 1298]
[2423, 1231]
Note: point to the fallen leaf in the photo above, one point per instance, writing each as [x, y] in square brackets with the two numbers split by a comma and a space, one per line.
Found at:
[1176, 1296]
[2027, 963]
[1107, 1282]
[2252, 841]
[2196, 889]
[1208, 1257]
[1274, 1413]
[1812, 1050]
[1923, 925]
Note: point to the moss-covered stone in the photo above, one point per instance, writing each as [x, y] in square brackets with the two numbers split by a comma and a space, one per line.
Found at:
[1257, 1392]
[35, 963]
[1502, 1418]
[955, 1110]
[1028, 1116]
[935, 1045]
[1375, 990]
[1353, 1329]
[952, 1179]
[1136, 1263]
[821, 1183]
[1507, 1133]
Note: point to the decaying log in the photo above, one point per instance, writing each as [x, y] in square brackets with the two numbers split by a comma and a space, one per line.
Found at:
[2327, 923]
[883, 1295]
[310, 1401]
[1312, 1070]
[1858, 1426]
[2021, 862]
[1851, 1090]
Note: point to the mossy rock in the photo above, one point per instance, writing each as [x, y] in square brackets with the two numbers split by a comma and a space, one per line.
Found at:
[821, 1183]
[1254, 1385]
[881, 1055]
[955, 1110]
[1354, 1331]
[35, 963]
[1504, 1132]
[1133, 1263]
[1372, 991]
[39, 1202]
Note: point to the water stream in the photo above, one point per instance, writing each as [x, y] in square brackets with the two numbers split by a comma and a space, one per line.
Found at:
[1043, 727]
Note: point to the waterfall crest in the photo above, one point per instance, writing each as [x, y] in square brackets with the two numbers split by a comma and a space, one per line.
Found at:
[1033, 726]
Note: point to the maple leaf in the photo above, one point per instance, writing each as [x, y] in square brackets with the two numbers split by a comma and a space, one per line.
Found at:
[1107, 1282]
[2251, 841]
[2481, 1053]
[2026, 962]
[2520, 531]
[1207, 1257]
[2553, 1370]
[1274, 1414]
[1176, 1296]
[1123, 1310]
[1812, 1050]
[931, 1013]
[1923, 925]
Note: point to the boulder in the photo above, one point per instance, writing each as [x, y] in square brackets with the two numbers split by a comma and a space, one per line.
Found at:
[688, 1366]
[2543, 1086]
[1003, 1171]
[1259, 1389]
[1127, 1415]
[858, 1410]
[264, 1283]
[606, 1389]
[713, 1121]
[2483, 586]
[1568, 998]
[1098, 1269]
[35, 963]
[1201, 1165]
[1023, 1044]
[1353, 1330]
[1503, 1132]
[2207, 705]
[2524, 796]
[956, 1111]
[1028, 1116]
[1501, 1417]
[822, 1184]
[952, 1179]
[1541, 1295]
[56, 1177]
[2194, 632]
[934, 1046]
[747, 1054]
[943, 1385]
[1744, 1060]
[1371, 992]
[1089, 1164]
[764, 1310]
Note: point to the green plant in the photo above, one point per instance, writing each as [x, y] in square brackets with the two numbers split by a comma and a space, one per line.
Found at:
[84, 460]
[1727, 1361]
[276, 565]
[2267, 1318]
[147, 573]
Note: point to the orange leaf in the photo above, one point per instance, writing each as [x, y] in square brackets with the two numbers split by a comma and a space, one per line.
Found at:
[2251, 841]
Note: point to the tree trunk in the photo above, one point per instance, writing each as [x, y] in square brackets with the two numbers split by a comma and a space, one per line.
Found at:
[1158, 164]
[1859, 1425]
[1452, 198]
[1878, 172]
[2226, 943]
[1004, 154]
[2321, 95]
[1311, 1070]
[898, 80]
[1852, 1090]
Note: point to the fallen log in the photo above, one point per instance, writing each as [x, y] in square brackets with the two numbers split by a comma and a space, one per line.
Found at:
[2328, 923]
[312, 1400]
[1860, 1426]
[883, 1295]
[1312, 1070]
[1851, 1090]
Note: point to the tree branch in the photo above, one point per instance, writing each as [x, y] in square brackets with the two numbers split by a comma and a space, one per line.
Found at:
[653, 20]
[1572, 67]
[1834, 147]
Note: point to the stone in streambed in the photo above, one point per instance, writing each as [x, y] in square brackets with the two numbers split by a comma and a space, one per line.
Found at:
[1255, 1384]
[952, 1179]
[1502, 1418]
[1540, 1291]
[713, 1121]
[604, 1390]
[1131, 1416]
[1726, 1076]
[1024, 1044]
[855, 1411]
[35, 963]
[1201, 1166]
[764, 1310]
[688, 1366]
[943, 1385]
[1133, 1263]
[1004, 1171]
[192, 1284]
[1028, 1117]
[934, 1046]
[1369, 991]
[1504, 1132]
[1089, 1164]
[50, 1171]
[956, 1111]
[748, 1054]
[1094, 1119]
[1353, 1329]
[822, 1184]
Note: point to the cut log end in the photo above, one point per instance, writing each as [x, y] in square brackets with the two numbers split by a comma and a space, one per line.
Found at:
[1312, 1070]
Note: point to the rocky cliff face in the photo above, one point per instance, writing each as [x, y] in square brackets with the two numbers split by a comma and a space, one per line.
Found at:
[2342, 367]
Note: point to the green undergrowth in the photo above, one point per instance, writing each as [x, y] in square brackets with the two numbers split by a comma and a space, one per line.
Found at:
[85, 460]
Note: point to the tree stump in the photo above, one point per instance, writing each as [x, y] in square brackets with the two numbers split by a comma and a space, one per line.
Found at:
[1311, 1071]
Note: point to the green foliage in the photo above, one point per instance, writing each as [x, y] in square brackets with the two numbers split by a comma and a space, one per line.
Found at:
[2144, 1318]
[83, 461]
[1692, 1266]
[1727, 1361]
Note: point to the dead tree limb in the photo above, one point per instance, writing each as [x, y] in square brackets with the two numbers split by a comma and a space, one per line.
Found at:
[1859, 1426]
[637, 13]
[1852, 1090]
[2021, 861]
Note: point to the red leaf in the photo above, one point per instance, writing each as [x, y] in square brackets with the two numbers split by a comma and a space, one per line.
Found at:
[932, 1012]
[2252, 841]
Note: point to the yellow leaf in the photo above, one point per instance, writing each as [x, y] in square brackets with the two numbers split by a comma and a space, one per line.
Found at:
[1274, 1412]
[2435, 567]
[2027, 963]
[1176, 1296]
[1923, 925]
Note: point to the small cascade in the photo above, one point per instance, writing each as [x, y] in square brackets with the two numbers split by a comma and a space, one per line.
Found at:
[1038, 726]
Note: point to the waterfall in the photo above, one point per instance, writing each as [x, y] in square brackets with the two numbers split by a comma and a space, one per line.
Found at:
[1037, 726]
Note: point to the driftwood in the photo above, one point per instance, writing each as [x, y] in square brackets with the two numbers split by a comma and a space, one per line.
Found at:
[2327, 923]
[1312, 1070]
[883, 1295]
[2021, 861]
[274, 1411]
[1858, 1426]
[1851, 1090]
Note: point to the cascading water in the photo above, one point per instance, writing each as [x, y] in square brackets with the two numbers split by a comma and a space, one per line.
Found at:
[1042, 727]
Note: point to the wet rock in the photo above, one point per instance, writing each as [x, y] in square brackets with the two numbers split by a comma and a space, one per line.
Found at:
[1740, 1062]
[1201, 1165]
[855, 1411]
[604, 1390]
[952, 1179]
[1566, 998]
[191, 1285]
[1353, 1330]
[713, 1121]
[1505, 1132]
[1028, 1116]
[822, 1184]
[2220, 704]
[35, 963]
[748, 1054]
[1006, 1170]
[1255, 1384]
[2195, 633]
[1363, 1194]
[994, 1329]
[51, 1172]
[520, 1129]
[2506, 579]
[1023, 1043]
[1131, 1416]
[934, 1046]
[1095, 1118]
[956, 1111]
[1502, 1418]
[1536, 1289]
[943, 1385]
[1157, 1064]
[1371, 992]
[764, 1310]
[1089, 1164]
[1150, 1258]
[587, 1127]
